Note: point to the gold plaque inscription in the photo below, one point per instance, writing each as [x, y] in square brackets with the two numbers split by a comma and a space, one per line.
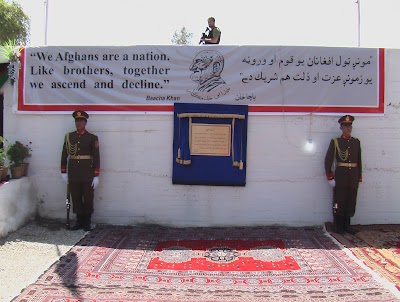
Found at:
[210, 139]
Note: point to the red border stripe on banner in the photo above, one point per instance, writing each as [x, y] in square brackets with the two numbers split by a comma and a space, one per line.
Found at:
[170, 108]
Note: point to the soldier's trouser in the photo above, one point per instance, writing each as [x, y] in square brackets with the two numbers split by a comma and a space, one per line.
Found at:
[79, 223]
[346, 198]
[342, 224]
[82, 195]
[87, 221]
[338, 222]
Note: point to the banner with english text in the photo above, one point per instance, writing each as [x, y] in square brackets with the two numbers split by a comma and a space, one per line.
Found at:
[271, 79]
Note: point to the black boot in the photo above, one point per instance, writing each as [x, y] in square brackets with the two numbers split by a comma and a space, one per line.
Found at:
[347, 226]
[87, 222]
[79, 223]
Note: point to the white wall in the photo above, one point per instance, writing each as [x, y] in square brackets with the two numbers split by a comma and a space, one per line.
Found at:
[18, 204]
[285, 184]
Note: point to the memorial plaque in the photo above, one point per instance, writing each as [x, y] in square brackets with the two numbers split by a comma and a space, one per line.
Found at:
[210, 139]
[210, 144]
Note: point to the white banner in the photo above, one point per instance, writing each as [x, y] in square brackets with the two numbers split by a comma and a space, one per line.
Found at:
[299, 79]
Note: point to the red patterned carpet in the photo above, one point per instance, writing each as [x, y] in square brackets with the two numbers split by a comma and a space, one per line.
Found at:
[378, 246]
[206, 264]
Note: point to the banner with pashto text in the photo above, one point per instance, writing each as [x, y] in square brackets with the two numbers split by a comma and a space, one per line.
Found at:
[271, 79]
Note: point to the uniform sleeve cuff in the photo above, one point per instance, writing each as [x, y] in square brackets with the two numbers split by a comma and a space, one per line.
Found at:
[330, 175]
[63, 169]
[96, 171]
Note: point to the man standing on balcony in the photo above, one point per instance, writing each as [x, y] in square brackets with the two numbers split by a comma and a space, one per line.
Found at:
[80, 168]
[345, 151]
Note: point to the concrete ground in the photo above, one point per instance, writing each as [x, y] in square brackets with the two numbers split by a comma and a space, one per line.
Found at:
[28, 252]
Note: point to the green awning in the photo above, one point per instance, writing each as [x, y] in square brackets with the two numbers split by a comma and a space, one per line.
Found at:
[3, 73]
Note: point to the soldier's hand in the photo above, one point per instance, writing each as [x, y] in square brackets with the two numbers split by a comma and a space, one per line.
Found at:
[95, 182]
[64, 177]
[332, 182]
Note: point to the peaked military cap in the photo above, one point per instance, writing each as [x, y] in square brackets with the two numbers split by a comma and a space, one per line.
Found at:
[346, 119]
[80, 114]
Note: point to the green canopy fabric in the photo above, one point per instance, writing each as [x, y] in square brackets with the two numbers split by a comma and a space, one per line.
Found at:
[3, 73]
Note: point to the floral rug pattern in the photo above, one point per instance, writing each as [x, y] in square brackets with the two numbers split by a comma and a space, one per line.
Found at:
[378, 246]
[120, 263]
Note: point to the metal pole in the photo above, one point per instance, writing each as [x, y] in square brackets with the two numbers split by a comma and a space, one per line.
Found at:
[46, 8]
[359, 22]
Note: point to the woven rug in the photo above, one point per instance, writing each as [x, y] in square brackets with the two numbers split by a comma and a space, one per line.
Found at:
[206, 264]
[378, 246]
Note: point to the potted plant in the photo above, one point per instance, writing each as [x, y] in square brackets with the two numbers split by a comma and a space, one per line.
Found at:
[25, 164]
[17, 153]
[12, 52]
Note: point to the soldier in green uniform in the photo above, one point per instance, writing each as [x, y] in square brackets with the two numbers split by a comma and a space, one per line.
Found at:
[345, 154]
[81, 155]
[214, 34]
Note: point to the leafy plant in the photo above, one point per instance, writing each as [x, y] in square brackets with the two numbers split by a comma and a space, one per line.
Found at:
[10, 50]
[183, 37]
[15, 23]
[17, 153]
